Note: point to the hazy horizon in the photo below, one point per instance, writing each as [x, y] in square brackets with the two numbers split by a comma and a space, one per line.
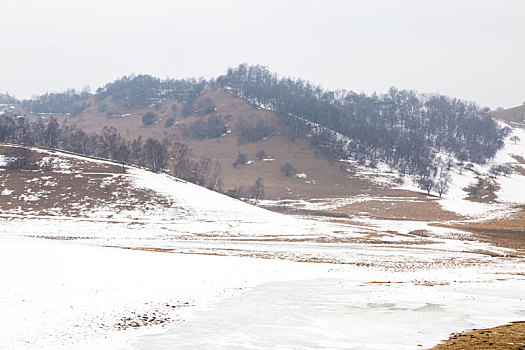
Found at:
[471, 50]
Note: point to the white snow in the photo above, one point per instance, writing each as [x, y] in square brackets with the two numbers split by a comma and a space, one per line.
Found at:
[57, 294]
[342, 313]
[512, 188]
[6, 192]
[3, 160]
[75, 295]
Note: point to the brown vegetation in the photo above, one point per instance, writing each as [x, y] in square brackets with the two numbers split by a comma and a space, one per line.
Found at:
[73, 190]
[515, 114]
[510, 336]
[327, 178]
[506, 232]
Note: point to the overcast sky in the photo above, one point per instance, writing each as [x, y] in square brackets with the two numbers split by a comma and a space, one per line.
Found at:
[471, 49]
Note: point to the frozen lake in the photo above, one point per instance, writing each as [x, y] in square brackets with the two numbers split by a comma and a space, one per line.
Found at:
[326, 313]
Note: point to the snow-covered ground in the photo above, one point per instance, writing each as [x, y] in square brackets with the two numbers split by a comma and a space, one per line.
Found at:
[58, 294]
[189, 268]
[65, 295]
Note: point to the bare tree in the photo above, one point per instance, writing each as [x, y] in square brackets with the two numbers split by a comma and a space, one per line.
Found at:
[156, 154]
[215, 183]
[181, 155]
[507, 169]
[257, 190]
[495, 170]
[515, 139]
[442, 184]
[51, 134]
[427, 184]
[288, 170]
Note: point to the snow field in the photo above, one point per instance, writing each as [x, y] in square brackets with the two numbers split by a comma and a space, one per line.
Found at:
[63, 295]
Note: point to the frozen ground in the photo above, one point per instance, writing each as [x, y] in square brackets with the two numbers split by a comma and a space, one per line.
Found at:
[188, 268]
[65, 295]
[341, 313]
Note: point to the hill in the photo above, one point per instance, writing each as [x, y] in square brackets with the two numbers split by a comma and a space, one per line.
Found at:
[282, 122]
[515, 114]
[241, 134]
[324, 176]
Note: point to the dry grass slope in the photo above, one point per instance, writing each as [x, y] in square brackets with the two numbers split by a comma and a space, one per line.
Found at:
[515, 114]
[326, 177]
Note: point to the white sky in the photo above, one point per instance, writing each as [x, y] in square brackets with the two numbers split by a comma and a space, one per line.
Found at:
[472, 49]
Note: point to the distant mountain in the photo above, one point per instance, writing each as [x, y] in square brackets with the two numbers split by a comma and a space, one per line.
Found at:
[515, 114]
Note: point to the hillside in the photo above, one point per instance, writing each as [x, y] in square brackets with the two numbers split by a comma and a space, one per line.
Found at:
[286, 123]
[235, 142]
[324, 176]
[65, 190]
[515, 114]
[128, 257]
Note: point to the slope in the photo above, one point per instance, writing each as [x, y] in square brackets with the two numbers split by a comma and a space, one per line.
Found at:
[515, 114]
[324, 177]
[338, 187]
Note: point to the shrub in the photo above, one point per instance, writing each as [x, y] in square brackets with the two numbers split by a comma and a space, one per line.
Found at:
[204, 106]
[261, 155]
[169, 122]
[149, 118]
[288, 170]
[242, 158]
[254, 129]
[210, 127]
[21, 158]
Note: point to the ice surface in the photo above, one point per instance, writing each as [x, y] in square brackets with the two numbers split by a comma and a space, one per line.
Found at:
[341, 313]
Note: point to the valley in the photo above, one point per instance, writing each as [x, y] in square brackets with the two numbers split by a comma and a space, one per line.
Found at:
[113, 254]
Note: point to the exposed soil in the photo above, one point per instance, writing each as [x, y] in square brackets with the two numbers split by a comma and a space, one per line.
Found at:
[71, 187]
[486, 192]
[519, 159]
[421, 208]
[510, 336]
